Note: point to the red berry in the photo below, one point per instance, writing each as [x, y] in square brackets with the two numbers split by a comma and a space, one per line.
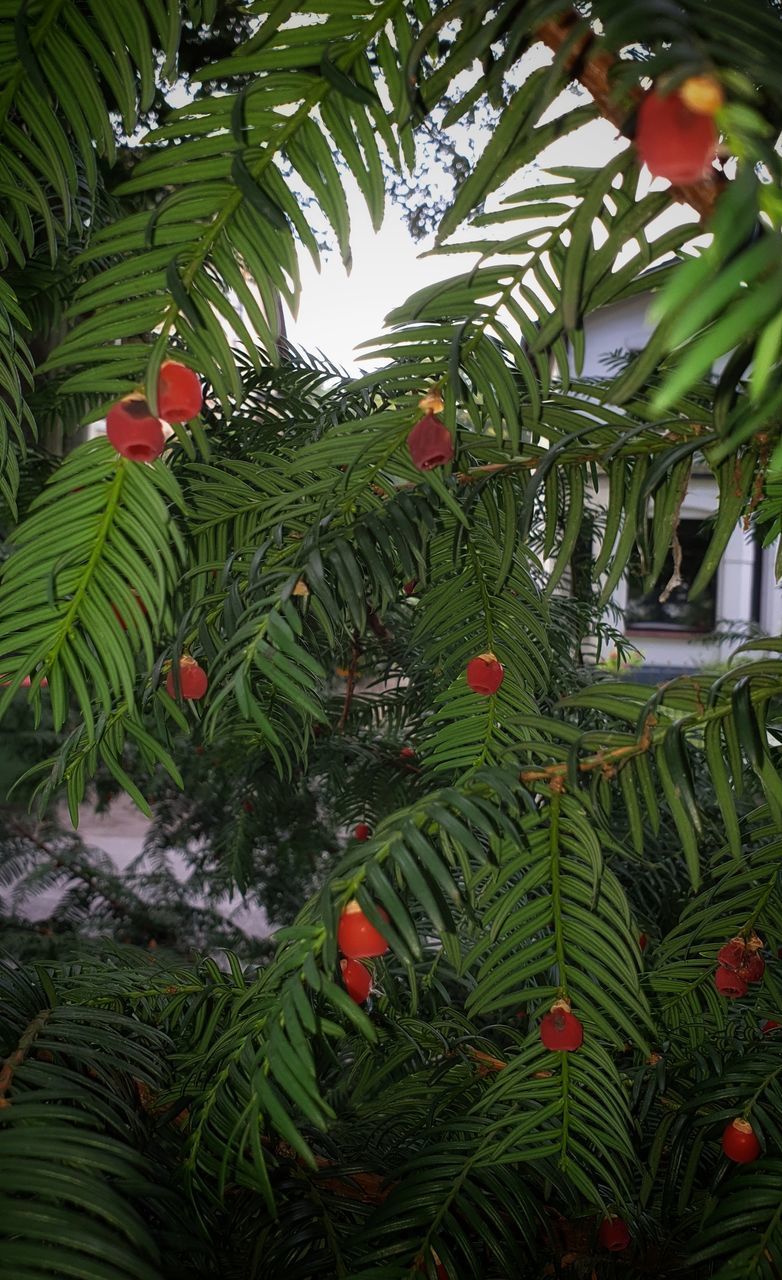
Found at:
[193, 680]
[133, 430]
[485, 674]
[740, 1143]
[179, 393]
[407, 753]
[673, 141]
[729, 984]
[643, 941]
[357, 937]
[430, 443]
[560, 1030]
[769, 1025]
[754, 968]
[410, 586]
[362, 832]
[248, 806]
[614, 1234]
[733, 954]
[357, 980]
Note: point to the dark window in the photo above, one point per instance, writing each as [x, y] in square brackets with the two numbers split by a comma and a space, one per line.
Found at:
[644, 610]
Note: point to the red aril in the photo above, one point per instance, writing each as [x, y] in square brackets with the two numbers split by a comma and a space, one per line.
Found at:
[485, 674]
[430, 443]
[673, 141]
[179, 393]
[560, 1030]
[133, 430]
[729, 984]
[357, 980]
[614, 1234]
[357, 937]
[740, 1143]
[193, 680]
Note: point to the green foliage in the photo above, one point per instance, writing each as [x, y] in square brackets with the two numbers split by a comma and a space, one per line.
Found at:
[516, 857]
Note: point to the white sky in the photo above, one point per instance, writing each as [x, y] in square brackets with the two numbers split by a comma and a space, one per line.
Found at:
[337, 311]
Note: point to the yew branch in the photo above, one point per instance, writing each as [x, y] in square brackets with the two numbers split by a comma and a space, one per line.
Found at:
[592, 67]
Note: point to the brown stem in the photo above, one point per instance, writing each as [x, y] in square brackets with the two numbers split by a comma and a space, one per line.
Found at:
[676, 579]
[592, 69]
[19, 1054]
[554, 774]
[351, 684]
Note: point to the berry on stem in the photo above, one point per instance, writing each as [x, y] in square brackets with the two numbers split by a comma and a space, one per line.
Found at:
[193, 680]
[133, 430]
[672, 140]
[179, 392]
[357, 937]
[614, 1234]
[407, 753]
[560, 1030]
[729, 984]
[357, 980]
[485, 674]
[739, 1142]
[430, 443]
[733, 954]
[362, 832]
[753, 969]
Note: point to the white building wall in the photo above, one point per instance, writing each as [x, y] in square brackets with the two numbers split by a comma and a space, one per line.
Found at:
[626, 326]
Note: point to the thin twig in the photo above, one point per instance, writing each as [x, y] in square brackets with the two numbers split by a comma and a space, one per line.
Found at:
[19, 1054]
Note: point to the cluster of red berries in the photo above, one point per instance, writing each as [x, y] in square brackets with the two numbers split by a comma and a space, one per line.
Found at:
[738, 963]
[132, 427]
[675, 135]
[358, 939]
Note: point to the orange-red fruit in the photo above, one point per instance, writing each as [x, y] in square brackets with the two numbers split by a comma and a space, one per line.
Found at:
[179, 393]
[133, 429]
[673, 141]
[614, 1234]
[357, 980]
[410, 586]
[729, 984]
[643, 941]
[740, 1143]
[560, 1030]
[769, 1025]
[193, 680]
[362, 832]
[407, 753]
[485, 674]
[733, 954]
[430, 443]
[754, 968]
[357, 937]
